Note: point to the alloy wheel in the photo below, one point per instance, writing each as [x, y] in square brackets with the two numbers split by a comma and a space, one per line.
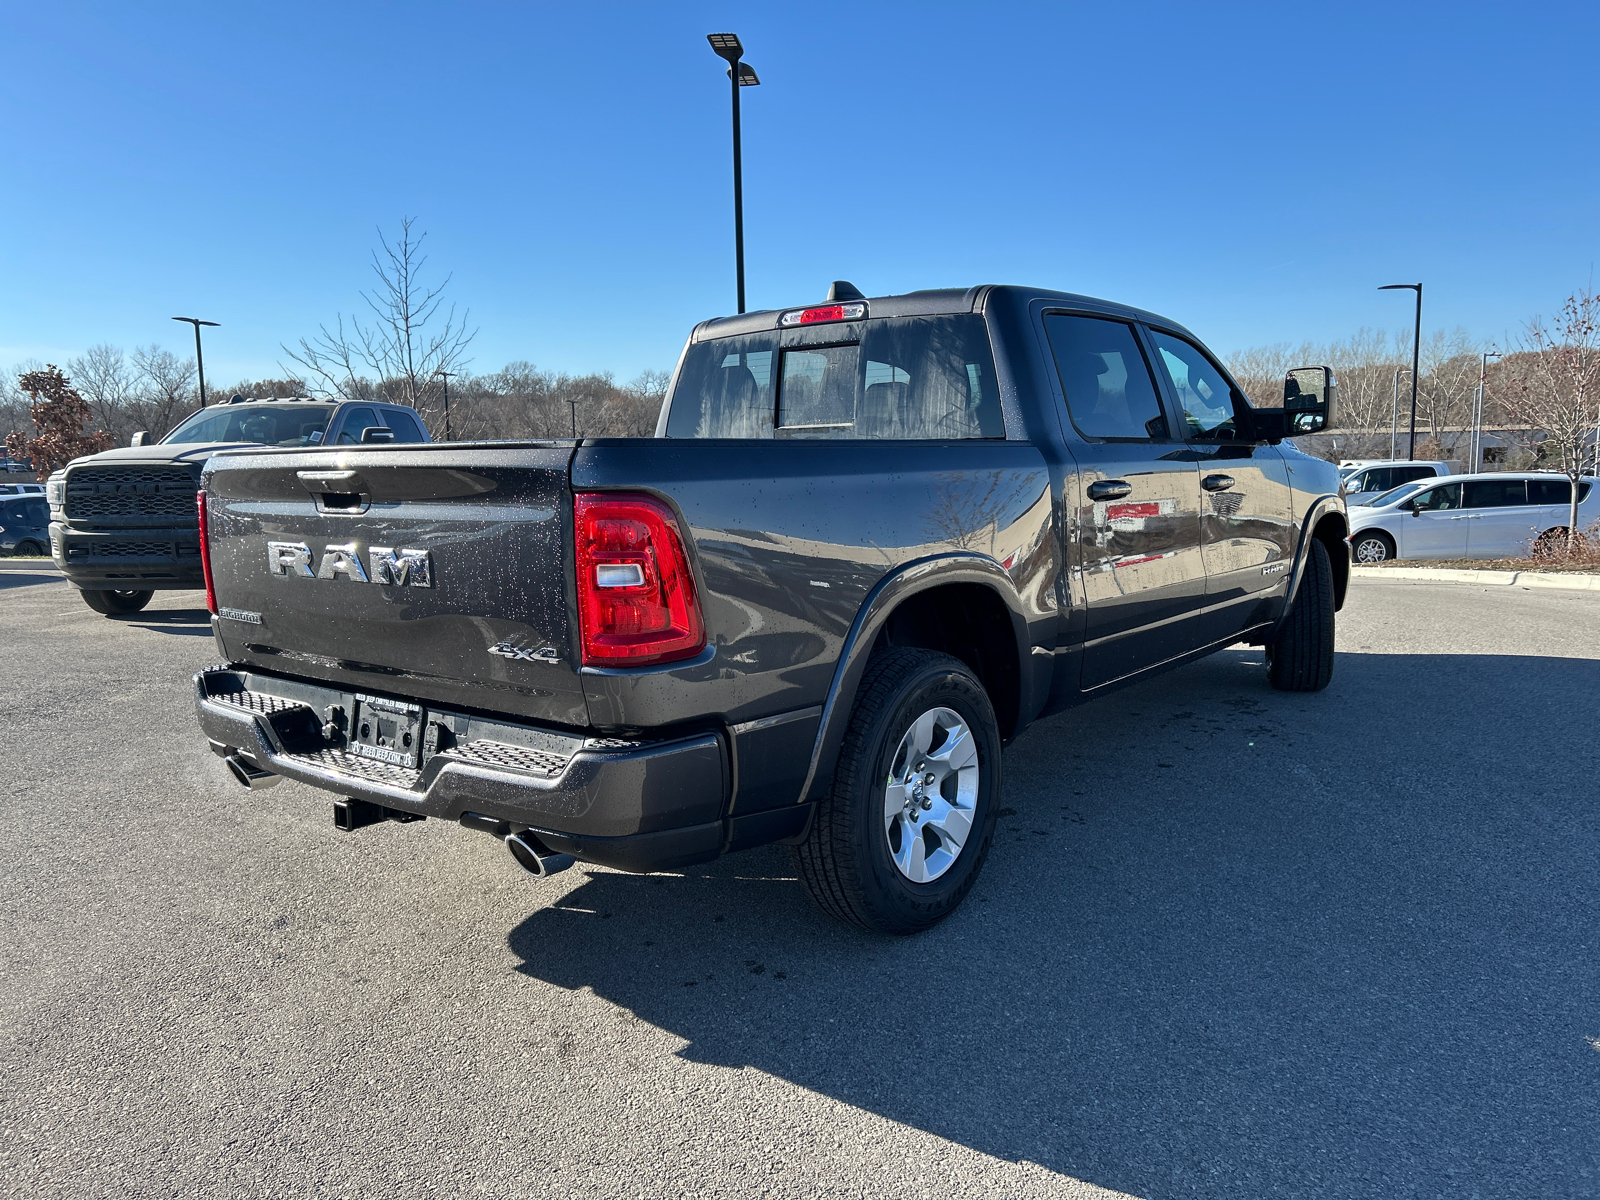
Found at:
[931, 794]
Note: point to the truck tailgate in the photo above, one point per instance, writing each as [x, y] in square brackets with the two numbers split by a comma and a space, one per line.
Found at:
[431, 572]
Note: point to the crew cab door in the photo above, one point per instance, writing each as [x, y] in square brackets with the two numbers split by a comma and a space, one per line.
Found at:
[1247, 529]
[1134, 507]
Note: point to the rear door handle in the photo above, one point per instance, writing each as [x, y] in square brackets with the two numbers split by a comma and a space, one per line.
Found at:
[1109, 489]
[1217, 483]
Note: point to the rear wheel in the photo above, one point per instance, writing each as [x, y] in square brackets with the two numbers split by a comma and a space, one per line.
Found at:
[114, 604]
[27, 549]
[901, 835]
[1300, 658]
[1372, 546]
[1553, 542]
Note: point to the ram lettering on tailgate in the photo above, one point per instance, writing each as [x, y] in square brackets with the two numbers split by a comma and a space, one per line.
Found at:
[385, 564]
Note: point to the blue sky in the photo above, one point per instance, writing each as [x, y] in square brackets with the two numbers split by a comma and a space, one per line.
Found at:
[1254, 171]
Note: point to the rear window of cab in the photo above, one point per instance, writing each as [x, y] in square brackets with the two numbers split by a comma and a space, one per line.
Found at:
[916, 378]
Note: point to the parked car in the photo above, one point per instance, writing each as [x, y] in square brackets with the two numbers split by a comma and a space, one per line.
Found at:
[123, 522]
[24, 525]
[21, 489]
[872, 540]
[1374, 478]
[1495, 515]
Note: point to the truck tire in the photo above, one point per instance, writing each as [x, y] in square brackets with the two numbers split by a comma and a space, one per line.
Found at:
[899, 839]
[114, 604]
[1300, 658]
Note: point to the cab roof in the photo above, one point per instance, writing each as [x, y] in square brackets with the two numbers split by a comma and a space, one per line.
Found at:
[931, 302]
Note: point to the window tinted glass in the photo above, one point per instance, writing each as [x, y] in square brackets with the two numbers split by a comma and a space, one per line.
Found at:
[1110, 392]
[1555, 491]
[1439, 499]
[1407, 474]
[1207, 399]
[404, 425]
[355, 421]
[38, 512]
[13, 513]
[1494, 493]
[919, 377]
[267, 424]
[725, 389]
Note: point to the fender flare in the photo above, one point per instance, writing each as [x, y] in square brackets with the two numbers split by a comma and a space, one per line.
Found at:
[886, 595]
[1319, 508]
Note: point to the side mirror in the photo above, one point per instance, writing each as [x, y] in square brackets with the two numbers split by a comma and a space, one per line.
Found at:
[1309, 400]
[142, 438]
[376, 433]
[1309, 406]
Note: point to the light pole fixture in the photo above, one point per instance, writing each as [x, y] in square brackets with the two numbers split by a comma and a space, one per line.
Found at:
[742, 74]
[1477, 410]
[447, 376]
[1416, 359]
[199, 359]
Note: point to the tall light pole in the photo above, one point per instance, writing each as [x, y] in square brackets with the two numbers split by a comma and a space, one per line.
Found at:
[447, 376]
[199, 359]
[728, 46]
[1416, 359]
[1477, 411]
[1394, 416]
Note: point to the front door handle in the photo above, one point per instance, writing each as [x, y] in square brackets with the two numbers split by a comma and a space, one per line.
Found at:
[1217, 483]
[1109, 489]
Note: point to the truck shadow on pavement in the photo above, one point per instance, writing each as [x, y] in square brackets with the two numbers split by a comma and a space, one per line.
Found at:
[1228, 942]
[194, 622]
[24, 578]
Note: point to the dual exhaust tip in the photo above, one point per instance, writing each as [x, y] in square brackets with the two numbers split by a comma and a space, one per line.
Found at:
[532, 855]
[248, 774]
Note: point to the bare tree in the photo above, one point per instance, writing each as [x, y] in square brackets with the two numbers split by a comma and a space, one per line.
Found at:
[168, 391]
[411, 338]
[106, 381]
[1553, 391]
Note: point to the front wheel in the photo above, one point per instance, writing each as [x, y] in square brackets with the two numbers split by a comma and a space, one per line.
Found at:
[114, 604]
[899, 839]
[1300, 658]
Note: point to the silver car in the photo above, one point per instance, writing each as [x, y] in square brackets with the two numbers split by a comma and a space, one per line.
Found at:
[1498, 515]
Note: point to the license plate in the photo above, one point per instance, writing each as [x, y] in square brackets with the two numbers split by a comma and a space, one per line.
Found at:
[387, 730]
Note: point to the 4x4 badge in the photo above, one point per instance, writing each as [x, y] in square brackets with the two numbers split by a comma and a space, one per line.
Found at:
[525, 653]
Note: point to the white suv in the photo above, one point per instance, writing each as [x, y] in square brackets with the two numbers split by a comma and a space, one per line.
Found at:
[1501, 515]
[1370, 479]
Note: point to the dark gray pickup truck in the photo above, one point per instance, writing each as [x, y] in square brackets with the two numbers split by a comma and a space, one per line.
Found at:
[872, 540]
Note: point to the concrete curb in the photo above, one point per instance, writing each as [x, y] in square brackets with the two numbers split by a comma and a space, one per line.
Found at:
[28, 564]
[1526, 579]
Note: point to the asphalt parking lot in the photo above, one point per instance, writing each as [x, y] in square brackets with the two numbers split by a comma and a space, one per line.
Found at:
[1231, 943]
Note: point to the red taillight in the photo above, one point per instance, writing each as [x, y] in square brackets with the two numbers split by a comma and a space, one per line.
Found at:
[636, 597]
[205, 556]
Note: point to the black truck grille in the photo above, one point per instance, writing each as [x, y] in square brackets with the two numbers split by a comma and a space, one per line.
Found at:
[130, 492]
[99, 549]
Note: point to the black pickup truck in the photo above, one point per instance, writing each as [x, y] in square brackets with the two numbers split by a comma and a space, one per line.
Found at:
[123, 523]
[872, 540]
